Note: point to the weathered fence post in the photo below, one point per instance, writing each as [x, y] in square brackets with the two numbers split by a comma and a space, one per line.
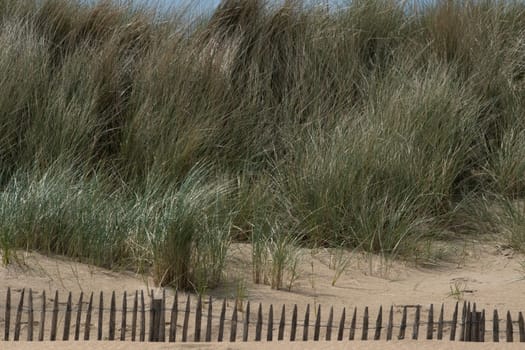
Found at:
[7, 314]
[124, 314]
[269, 334]
[439, 335]
[221, 321]
[88, 318]
[233, 330]
[162, 319]
[198, 320]
[67, 319]
[430, 322]
[258, 325]
[246, 323]
[30, 316]
[351, 334]
[403, 326]
[294, 323]
[112, 315]
[18, 320]
[495, 326]
[142, 335]
[54, 318]
[155, 312]
[42, 317]
[329, 324]
[364, 335]
[173, 318]
[521, 327]
[415, 330]
[390, 326]
[280, 336]
[453, 326]
[79, 315]
[379, 323]
[186, 321]
[100, 315]
[340, 333]
[510, 337]
[306, 322]
[209, 320]
[134, 312]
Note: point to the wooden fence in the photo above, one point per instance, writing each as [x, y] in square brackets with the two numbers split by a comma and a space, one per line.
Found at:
[469, 325]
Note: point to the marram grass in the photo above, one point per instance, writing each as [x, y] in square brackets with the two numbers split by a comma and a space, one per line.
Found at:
[136, 139]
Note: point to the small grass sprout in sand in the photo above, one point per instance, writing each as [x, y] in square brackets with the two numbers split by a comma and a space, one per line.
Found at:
[275, 255]
[340, 260]
[457, 289]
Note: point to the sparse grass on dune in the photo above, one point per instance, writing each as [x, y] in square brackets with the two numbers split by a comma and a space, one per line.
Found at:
[130, 138]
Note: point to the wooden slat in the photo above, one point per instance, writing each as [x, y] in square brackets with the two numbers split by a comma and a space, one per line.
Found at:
[306, 323]
[186, 322]
[198, 320]
[430, 322]
[364, 335]
[209, 320]
[79, 315]
[30, 316]
[476, 316]
[54, 318]
[112, 316]
[123, 318]
[233, 329]
[415, 329]
[221, 321]
[495, 327]
[329, 324]
[142, 335]
[100, 315]
[269, 333]
[440, 323]
[134, 316]
[280, 336]
[7, 317]
[152, 331]
[173, 318]
[403, 327]
[88, 318]
[521, 327]
[162, 318]
[341, 330]
[454, 323]
[351, 335]
[390, 326]
[482, 327]
[379, 323]
[509, 330]
[293, 327]
[155, 326]
[474, 330]
[468, 323]
[258, 325]
[463, 321]
[67, 319]
[42, 317]
[18, 319]
[317, 326]
[246, 323]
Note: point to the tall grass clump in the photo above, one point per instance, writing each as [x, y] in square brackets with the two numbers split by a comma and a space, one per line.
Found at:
[390, 166]
[185, 233]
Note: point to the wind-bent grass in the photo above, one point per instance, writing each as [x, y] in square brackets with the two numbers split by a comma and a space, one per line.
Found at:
[375, 126]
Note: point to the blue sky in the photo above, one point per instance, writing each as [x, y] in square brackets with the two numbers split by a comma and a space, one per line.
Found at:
[208, 5]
